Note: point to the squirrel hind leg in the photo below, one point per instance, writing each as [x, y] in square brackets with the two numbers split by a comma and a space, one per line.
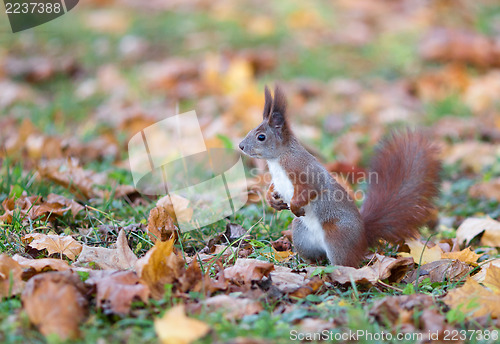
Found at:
[307, 243]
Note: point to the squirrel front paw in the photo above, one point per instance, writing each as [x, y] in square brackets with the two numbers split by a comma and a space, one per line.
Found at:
[297, 211]
[276, 202]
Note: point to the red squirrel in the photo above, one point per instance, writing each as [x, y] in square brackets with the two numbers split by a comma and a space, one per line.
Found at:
[328, 224]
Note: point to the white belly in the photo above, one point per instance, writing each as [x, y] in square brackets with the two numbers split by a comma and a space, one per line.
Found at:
[317, 234]
[282, 184]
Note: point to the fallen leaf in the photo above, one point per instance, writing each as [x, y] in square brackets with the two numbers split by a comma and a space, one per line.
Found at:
[33, 266]
[472, 227]
[70, 175]
[476, 298]
[384, 267]
[418, 249]
[160, 266]
[119, 258]
[232, 307]
[245, 271]
[440, 271]
[481, 275]
[176, 328]
[161, 225]
[54, 244]
[11, 282]
[117, 289]
[55, 303]
[466, 255]
[37, 207]
[183, 211]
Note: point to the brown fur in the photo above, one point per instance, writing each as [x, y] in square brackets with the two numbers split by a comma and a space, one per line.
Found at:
[349, 250]
[402, 200]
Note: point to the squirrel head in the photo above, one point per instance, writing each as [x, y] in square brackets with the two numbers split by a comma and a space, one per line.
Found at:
[270, 138]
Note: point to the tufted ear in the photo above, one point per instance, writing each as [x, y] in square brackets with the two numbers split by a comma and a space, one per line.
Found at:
[268, 103]
[280, 103]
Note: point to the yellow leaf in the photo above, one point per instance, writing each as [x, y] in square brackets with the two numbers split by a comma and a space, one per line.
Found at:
[160, 266]
[466, 255]
[418, 249]
[176, 328]
[474, 297]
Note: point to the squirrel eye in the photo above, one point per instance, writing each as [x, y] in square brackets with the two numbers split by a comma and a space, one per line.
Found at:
[261, 137]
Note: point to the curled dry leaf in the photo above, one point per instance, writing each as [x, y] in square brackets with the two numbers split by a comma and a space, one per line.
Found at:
[440, 271]
[474, 297]
[481, 275]
[472, 227]
[62, 245]
[119, 258]
[55, 303]
[176, 328]
[421, 253]
[245, 271]
[232, 307]
[161, 225]
[183, 211]
[117, 289]
[37, 207]
[393, 269]
[11, 282]
[466, 255]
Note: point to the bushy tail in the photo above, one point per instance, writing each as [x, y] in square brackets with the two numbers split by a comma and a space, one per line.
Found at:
[403, 183]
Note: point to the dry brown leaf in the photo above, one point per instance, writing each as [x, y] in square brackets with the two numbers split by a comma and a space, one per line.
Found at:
[41, 265]
[69, 174]
[232, 307]
[472, 227]
[245, 271]
[161, 225]
[440, 270]
[119, 258]
[474, 297]
[62, 245]
[11, 282]
[383, 268]
[160, 266]
[37, 207]
[466, 255]
[117, 290]
[279, 256]
[55, 303]
[418, 249]
[176, 328]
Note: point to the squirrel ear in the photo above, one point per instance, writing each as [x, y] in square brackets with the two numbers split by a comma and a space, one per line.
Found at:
[276, 120]
[268, 103]
[280, 102]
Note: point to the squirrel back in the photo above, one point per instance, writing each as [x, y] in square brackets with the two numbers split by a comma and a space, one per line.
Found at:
[401, 199]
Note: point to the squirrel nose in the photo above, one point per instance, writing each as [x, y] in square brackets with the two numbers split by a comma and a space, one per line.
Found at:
[241, 146]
